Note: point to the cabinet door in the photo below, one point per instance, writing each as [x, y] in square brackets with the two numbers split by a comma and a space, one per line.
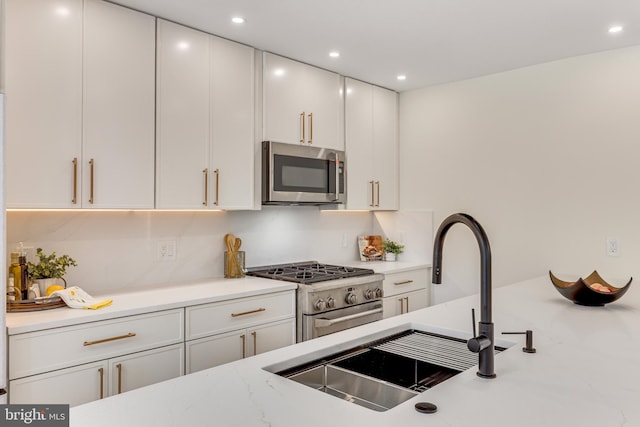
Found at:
[118, 107]
[272, 336]
[182, 108]
[359, 138]
[212, 351]
[302, 104]
[371, 146]
[145, 368]
[43, 66]
[232, 125]
[324, 99]
[77, 385]
[385, 147]
[405, 303]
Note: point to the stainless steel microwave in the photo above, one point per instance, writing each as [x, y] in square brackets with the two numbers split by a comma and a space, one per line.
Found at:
[302, 175]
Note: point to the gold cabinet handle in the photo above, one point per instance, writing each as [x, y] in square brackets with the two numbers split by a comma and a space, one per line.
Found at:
[378, 201]
[372, 194]
[244, 345]
[310, 128]
[206, 186]
[254, 334]
[129, 335]
[75, 181]
[119, 367]
[401, 305]
[302, 120]
[407, 300]
[404, 282]
[92, 165]
[101, 371]
[244, 313]
[217, 200]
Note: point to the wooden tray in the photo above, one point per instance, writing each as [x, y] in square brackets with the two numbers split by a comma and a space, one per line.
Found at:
[31, 305]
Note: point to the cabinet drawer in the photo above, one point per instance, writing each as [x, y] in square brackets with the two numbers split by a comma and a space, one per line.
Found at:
[407, 281]
[42, 351]
[215, 318]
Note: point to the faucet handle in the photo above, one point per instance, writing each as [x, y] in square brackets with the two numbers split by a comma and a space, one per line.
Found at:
[477, 343]
[528, 348]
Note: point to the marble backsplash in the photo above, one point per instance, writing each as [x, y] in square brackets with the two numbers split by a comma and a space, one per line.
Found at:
[118, 250]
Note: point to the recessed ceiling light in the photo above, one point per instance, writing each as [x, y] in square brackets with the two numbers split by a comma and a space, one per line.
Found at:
[183, 45]
[401, 77]
[615, 29]
[334, 54]
[237, 20]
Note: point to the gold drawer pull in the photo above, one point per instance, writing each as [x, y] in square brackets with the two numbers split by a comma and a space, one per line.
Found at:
[248, 312]
[101, 372]
[405, 282]
[129, 335]
[119, 366]
[255, 342]
[75, 181]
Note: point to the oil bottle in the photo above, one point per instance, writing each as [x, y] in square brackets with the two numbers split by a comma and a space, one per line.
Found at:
[15, 270]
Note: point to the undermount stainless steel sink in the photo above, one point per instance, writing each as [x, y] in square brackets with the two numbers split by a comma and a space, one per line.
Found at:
[388, 371]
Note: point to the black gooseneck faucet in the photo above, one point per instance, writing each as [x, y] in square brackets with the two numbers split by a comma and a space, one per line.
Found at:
[483, 344]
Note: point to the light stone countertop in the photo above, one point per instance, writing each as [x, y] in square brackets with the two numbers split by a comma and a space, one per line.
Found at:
[146, 301]
[166, 297]
[583, 374]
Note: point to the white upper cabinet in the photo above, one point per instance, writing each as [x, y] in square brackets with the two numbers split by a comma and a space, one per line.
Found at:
[302, 104]
[118, 107]
[205, 116]
[182, 138]
[80, 105]
[43, 65]
[371, 146]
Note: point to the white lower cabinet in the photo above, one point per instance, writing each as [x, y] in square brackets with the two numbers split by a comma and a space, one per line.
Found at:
[405, 291]
[80, 363]
[93, 381]
[212, 351]
[225, 331]
[404, 303]
[140, 369]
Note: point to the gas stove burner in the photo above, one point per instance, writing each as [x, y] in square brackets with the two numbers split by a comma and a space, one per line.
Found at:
[304, 275]
[307, 272]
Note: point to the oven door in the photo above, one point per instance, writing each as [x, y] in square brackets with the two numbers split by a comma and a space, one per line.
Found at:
[317, 325]
[302, 174]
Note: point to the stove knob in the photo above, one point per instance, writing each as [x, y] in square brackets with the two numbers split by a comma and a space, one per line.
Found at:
[378, 293]
[331, 303]
[351, 298]
[320, 305]
[369, 294]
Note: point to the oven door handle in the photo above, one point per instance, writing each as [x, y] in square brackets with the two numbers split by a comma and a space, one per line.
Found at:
[324, 323]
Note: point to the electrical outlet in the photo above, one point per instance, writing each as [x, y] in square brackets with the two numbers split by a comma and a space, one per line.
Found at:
[167, 250]
[613, 246]
[344, 240]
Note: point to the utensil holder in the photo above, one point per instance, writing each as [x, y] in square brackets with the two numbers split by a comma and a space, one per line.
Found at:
[234, 264]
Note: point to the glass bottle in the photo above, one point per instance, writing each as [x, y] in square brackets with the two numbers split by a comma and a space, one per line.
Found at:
[16, 270]
[24, 276]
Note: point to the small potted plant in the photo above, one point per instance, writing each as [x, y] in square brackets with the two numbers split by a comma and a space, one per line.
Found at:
[391, 249]
[49, 270]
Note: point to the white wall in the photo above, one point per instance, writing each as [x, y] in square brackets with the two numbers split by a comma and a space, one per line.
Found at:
[545, 158]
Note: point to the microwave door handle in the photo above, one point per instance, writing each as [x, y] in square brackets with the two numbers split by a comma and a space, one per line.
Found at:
[337, 181]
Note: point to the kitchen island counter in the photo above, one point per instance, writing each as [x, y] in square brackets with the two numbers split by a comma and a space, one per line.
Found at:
[583, 374]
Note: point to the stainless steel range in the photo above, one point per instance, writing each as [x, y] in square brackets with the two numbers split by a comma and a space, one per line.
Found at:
[330, 298]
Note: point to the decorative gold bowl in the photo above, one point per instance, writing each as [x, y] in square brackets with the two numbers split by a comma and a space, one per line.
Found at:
[587, 291]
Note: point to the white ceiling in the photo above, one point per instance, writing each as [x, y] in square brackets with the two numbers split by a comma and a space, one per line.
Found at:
[430, 41]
